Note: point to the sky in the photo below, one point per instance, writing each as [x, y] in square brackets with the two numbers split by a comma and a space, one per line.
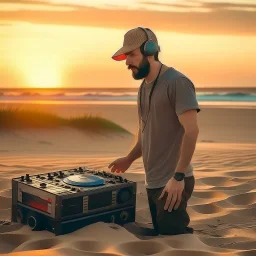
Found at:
[69, 43]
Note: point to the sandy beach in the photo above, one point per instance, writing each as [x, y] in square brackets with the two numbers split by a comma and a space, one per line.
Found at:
[222, 207]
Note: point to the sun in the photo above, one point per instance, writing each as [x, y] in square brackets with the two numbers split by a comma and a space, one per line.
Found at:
[43, 77]
[42, 72]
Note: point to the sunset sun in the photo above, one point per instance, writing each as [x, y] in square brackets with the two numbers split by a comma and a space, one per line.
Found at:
[42, 72]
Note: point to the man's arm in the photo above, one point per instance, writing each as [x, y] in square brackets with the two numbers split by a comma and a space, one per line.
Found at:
[189, 122]
[174, 188]
[136, 151]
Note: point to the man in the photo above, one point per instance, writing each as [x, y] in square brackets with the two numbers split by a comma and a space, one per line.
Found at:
[168, 131]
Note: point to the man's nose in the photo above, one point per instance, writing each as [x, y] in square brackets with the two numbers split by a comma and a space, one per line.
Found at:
[128, 62]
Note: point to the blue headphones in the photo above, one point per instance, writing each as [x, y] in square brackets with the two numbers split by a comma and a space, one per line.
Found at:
[150, 47]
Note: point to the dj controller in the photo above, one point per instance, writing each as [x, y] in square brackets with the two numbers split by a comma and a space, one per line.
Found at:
[64, 201]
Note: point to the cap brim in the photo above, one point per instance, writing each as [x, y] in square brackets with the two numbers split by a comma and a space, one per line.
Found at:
[121, 53]
[119, 57]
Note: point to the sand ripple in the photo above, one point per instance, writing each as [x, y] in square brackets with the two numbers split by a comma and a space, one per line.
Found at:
[8, 242]
[142, 248]
[41, 244]
[89, 246]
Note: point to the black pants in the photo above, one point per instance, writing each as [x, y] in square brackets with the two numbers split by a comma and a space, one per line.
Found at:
[176, 221]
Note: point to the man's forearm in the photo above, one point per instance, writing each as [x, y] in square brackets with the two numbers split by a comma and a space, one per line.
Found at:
[135, 152]
[187, 150]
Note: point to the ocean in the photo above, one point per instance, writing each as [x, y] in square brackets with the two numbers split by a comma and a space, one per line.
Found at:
[205, 96]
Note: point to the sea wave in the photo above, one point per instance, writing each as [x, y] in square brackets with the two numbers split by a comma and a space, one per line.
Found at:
[231, 94]
[111, 94]
[67, 94]
[116, 96]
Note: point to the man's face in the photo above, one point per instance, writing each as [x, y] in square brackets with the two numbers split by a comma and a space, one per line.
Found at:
[138, 63]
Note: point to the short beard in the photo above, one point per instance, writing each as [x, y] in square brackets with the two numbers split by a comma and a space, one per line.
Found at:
[143, 69]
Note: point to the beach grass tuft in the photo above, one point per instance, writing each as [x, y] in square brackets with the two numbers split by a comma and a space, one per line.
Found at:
[18, 118]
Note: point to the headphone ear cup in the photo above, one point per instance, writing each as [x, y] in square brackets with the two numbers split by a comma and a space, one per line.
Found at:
[150, 48]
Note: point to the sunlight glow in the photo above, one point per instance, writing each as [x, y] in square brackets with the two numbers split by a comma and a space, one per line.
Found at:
[68, 56]
[42, 72]
[34, 7]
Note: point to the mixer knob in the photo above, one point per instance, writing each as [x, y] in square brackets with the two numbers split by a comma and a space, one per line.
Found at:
[73, 189]
[38, 176]
[61, 174]
[125, 180]
[80, 169]
[28, 178]
[120, 179]
[55, 174]
[43, 185]
[22, 178]
[50, 177]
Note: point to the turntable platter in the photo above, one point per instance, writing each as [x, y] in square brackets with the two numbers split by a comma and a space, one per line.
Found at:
[84, 180]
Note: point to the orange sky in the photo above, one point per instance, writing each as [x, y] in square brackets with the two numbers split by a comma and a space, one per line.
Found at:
[63, 43]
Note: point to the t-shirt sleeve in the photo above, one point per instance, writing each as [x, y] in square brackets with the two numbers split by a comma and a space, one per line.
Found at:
[183, 95]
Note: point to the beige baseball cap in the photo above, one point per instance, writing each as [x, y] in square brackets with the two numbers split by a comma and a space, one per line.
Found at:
[133, 39]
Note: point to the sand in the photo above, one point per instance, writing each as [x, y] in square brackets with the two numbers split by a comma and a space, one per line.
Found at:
[222, 207]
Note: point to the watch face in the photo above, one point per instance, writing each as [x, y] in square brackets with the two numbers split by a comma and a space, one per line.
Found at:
[179, 176]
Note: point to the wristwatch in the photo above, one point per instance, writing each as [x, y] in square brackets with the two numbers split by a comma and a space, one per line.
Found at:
[179, 176]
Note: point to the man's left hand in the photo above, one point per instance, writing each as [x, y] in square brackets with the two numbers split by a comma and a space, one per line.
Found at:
[174, 189]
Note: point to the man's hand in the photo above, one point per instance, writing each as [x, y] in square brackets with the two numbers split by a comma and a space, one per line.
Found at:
[120, 164]
[174, 189]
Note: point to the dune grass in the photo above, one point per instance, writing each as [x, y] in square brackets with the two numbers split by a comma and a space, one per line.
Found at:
[17, 118]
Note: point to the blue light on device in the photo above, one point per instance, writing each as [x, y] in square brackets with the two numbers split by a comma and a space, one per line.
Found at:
[84, 180]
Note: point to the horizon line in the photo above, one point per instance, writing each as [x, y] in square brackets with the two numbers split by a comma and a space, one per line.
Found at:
[58, 88]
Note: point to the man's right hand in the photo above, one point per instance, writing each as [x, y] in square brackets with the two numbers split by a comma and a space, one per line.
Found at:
[120, 164]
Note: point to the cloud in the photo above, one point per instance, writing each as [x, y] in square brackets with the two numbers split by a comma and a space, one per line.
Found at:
[223, 18]
[213, 6]
[6, 24]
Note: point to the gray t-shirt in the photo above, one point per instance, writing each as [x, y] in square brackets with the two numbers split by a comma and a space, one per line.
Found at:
[161, 137]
